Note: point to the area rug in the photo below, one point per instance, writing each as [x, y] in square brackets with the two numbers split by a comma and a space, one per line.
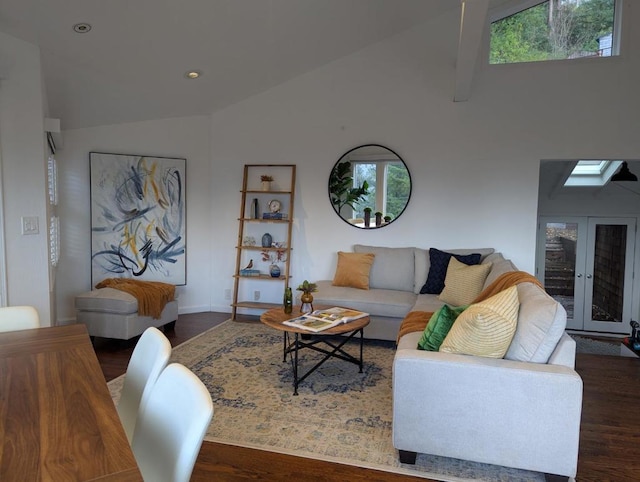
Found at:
[340, 415]
[590, 346]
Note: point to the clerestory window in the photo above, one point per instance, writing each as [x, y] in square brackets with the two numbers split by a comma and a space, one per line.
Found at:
[531, 31]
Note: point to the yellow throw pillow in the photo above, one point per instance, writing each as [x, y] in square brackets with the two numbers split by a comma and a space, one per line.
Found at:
[485, 328]
[463, 283]
[353, 270]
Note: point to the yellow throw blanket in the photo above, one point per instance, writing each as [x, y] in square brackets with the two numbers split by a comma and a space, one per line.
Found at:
[417, 320]
[152, 296]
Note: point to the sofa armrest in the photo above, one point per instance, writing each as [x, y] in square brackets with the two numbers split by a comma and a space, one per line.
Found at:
[564, 353]
[517, 414]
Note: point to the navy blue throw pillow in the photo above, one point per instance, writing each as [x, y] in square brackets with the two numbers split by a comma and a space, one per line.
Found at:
[439, 261]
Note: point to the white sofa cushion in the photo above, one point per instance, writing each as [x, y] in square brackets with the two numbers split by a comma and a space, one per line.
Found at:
[427, 302]
[498, 268]
[421, 269]
[124, 326]
[107, 300]
[484, 252]
[379, 302]
[492, 258]
[392, 269]
[541, 323]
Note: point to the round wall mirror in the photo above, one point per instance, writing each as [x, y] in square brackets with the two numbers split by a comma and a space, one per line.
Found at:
[369, 186]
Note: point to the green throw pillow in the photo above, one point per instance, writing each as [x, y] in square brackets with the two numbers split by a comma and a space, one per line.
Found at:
[438, 327]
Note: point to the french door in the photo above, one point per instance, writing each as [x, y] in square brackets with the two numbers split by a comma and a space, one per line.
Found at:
[586, 264]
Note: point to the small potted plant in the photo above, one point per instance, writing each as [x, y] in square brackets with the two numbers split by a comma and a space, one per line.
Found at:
[378, 218]
[387, 219]
[266, 182]
[367, 216]
[306, 298]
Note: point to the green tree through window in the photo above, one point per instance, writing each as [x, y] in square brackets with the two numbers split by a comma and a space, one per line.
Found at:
[551, 30]
[396, 186]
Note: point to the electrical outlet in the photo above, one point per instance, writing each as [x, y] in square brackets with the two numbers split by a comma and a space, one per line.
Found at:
[227, 294]
[256, 295]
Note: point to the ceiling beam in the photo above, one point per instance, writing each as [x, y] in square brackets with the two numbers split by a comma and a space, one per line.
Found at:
[473, 19]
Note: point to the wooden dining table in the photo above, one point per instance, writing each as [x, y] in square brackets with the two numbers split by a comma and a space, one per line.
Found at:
[57, 419]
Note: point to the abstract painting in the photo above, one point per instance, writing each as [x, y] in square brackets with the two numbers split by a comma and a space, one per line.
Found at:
[138, 218]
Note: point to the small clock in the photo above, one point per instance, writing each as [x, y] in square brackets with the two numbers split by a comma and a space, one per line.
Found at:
[274, 206]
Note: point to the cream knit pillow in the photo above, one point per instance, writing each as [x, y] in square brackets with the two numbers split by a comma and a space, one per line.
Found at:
[463, 282]
[485, 328]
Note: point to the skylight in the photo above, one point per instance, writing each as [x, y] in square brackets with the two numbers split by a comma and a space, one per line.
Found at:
[592, 172]
[590, 168]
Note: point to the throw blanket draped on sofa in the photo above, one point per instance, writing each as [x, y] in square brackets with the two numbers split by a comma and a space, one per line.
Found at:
[152, 296]
[417, 320]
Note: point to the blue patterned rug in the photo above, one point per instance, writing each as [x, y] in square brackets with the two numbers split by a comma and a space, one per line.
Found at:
[340, 415]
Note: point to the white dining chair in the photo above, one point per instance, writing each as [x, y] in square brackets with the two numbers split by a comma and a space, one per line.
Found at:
[171, 426]
[150, 356]
[13, 318]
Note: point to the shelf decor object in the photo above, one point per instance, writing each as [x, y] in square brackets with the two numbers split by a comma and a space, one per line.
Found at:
[265, 180]
[272, 186]
[267, 240]
[274, 270]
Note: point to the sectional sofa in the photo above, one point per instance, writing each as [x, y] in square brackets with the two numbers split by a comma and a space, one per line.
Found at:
[396, 278]
[521, 411]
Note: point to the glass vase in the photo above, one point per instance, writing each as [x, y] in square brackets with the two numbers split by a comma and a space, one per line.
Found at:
[266, 240]
[288, 300]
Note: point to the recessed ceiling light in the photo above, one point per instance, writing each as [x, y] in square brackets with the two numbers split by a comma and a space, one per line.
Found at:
[82, 27]
[193, 74]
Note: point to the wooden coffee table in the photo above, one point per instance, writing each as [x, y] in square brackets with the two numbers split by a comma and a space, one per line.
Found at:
[296, 338]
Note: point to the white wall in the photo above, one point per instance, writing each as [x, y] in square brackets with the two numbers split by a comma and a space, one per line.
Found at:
[180, 137]
[474, 165]
[23, 175]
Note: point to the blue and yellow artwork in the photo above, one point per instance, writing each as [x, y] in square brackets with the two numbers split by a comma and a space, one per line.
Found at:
[138, 218]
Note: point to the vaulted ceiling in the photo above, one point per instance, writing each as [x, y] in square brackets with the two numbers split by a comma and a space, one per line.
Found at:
[131, 64]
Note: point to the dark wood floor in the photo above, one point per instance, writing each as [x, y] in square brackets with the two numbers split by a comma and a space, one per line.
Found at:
[609, 436]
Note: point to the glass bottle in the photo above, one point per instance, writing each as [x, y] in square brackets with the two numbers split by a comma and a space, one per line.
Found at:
[288, 300]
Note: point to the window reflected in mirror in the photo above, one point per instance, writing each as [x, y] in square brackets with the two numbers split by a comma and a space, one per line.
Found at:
[370, 186]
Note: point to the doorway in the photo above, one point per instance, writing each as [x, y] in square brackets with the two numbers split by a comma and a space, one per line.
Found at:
[586, 264]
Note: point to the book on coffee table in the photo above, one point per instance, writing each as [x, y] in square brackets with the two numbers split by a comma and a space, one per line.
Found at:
[320, 320]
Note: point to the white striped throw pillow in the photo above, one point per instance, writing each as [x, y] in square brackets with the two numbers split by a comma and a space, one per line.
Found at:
[485, 328]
